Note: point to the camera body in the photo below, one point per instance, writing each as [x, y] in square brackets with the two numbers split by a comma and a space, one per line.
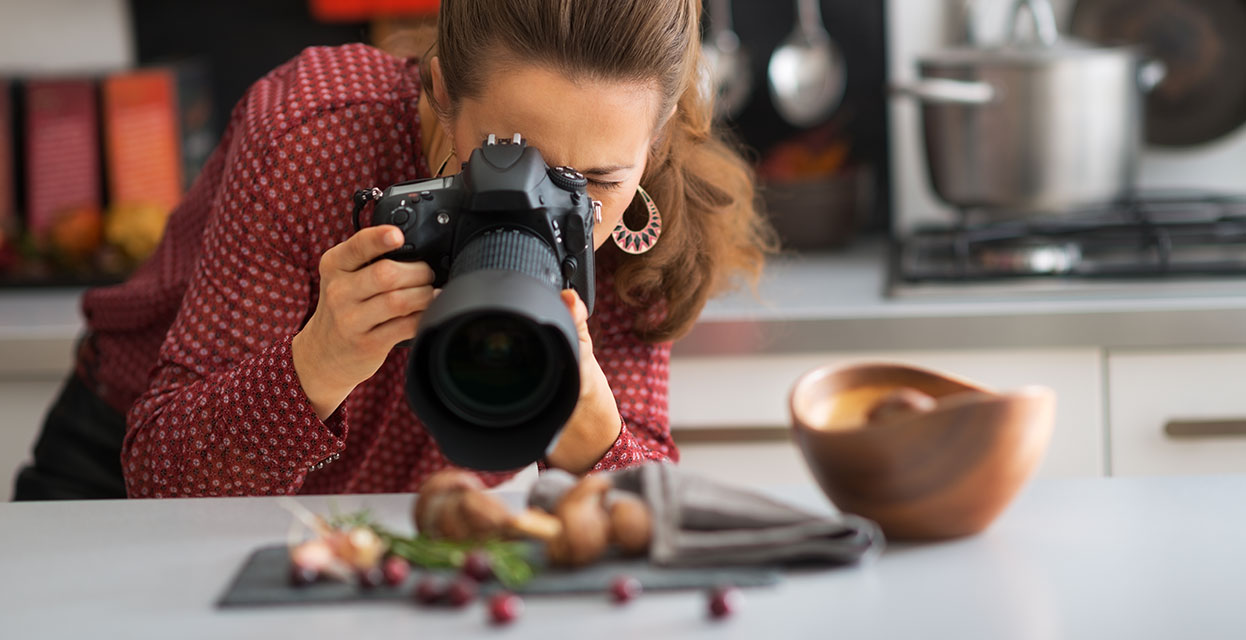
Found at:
[494, 368]
[504, 185]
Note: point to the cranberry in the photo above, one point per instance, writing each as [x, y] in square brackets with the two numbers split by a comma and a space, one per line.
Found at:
[431, 589]
[462, 591]
[723, 601]
[479, 565]
[504, 607]
[302, 575]
[396, 570]
[625, 588]
[371, 577]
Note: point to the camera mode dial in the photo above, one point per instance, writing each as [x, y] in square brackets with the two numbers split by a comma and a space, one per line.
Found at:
[567, 179]
[401, 215]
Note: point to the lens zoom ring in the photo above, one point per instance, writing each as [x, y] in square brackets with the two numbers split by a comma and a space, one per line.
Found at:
[510, 250]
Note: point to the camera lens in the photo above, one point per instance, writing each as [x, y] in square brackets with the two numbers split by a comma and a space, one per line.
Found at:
[495, 367]
[494, 370]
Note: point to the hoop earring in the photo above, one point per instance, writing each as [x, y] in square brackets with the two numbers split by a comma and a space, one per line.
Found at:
[643, 239]
[443, 164]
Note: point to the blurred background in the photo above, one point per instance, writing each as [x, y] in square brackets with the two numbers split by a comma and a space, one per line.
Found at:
[108, 109]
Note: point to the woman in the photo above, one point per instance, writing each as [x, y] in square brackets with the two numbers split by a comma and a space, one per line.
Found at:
[254, 353]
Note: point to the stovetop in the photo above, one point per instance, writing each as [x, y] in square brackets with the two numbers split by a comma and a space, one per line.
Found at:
[1150, 239]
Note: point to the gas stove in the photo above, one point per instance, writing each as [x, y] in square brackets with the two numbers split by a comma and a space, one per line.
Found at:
[1181, 242]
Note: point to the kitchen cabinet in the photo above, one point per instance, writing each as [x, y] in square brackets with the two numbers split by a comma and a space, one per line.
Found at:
[1177, 412]
[749, 393]
[756, 462]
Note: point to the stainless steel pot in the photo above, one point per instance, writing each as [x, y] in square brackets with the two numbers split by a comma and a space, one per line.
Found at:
[1032, 127]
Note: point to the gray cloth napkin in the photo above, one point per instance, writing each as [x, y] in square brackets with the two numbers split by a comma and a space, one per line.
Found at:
[698, 521]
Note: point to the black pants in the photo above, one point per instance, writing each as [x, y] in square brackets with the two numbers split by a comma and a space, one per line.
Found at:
[78, 454]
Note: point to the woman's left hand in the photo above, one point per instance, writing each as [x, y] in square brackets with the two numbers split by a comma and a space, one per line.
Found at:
[595, 424]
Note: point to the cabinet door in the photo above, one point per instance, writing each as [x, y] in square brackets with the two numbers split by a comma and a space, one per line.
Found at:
[751, 391]
[1177, 412]
[25, 403]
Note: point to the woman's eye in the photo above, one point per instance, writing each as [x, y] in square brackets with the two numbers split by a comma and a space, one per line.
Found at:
[602, 184]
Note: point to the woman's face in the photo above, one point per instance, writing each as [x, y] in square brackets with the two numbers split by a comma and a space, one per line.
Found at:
[603, 129]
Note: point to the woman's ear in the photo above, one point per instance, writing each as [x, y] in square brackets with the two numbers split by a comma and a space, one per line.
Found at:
[670, 114]
[660, 131]
[440, 95]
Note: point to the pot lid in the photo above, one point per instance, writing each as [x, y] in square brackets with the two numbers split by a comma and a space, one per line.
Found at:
[1012, 54]
[1045, 46]
[1202, 44]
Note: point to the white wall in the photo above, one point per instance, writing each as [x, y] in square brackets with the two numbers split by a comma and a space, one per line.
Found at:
[64, 35]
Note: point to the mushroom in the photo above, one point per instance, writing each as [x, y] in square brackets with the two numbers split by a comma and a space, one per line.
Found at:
[585, 523]
[898, 402]
[631, 524]
[434, 495]
[535, 523]
[483, 513]
[453, 504]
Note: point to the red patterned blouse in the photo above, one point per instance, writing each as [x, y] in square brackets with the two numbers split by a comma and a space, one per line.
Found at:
[196, 345]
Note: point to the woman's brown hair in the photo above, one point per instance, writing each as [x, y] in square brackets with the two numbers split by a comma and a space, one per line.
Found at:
[711, 228]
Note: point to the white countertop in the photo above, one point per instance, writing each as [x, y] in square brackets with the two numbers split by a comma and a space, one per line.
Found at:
[1130, 558]
[843, 302]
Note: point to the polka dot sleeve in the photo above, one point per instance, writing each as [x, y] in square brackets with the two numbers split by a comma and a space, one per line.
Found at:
[245, 430]
[638, 376]
[224, 412]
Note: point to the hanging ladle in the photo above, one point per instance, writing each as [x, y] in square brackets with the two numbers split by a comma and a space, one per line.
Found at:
[806, 72]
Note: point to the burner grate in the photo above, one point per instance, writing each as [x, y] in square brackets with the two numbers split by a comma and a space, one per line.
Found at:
[1159, 235]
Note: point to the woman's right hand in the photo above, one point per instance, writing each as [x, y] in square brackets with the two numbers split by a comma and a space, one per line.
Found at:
[365, 308]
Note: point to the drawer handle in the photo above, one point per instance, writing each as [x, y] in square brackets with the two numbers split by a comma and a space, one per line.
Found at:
[1205, 428]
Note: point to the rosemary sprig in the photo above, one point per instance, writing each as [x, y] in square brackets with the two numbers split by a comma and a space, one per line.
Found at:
[510, 559]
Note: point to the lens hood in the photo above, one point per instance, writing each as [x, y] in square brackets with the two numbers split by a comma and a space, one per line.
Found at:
[494, 370]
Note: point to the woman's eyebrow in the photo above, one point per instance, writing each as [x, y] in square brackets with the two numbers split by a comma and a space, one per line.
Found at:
[597, 171]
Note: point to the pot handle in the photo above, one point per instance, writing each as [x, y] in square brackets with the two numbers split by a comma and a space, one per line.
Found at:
[946, 91]
[1151, 73]
[1043, 17]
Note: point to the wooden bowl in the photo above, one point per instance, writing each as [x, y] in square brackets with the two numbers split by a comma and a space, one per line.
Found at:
[921, 475]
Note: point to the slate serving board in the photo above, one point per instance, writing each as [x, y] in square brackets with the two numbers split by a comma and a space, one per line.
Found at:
[264, 580]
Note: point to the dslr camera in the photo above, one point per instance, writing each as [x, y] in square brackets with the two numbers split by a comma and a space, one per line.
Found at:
[494, 370]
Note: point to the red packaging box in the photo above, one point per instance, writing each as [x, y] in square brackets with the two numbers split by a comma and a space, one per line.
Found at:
[62, 163]
[8, 185]
[142, 146]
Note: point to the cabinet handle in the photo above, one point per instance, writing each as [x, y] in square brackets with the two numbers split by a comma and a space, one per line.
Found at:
[1205, 428]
